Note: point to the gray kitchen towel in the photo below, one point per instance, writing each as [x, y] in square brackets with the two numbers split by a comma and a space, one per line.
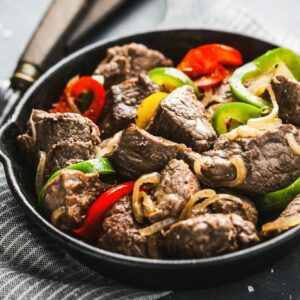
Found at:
[33, 266]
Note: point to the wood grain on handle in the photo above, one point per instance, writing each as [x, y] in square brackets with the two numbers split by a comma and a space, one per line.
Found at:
[47, 42]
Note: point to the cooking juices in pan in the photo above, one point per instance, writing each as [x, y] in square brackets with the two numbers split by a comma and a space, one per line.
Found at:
[152, 160]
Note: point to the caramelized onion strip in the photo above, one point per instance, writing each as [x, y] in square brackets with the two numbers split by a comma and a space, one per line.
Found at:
[236, 161]
[293, 144]
[153, 178]
[187, 210]
[156, 227]
[57, 214]
[281, 224]
[39, 176]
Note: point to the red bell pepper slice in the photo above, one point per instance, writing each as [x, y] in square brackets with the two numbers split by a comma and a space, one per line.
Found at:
[207, 60]
[74, 89]
[90, 227]
[216, 77]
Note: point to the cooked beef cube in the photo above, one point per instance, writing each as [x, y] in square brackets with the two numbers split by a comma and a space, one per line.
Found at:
[65, 137]
[127, 61]
[270, 163]
[69, 195]
[287, 93]
[292, 211]
[181, 118]
[122, 102]
[138, 152]
[178, 184]
[120, 233]
[209, 235]
[228, 204]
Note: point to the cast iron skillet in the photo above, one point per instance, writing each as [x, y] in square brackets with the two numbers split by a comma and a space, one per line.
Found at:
[154, 273]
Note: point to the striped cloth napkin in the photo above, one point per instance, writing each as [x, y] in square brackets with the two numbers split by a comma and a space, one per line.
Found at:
[32, 265]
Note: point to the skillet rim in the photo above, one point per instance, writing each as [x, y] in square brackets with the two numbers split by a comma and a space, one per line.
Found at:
[85, 248]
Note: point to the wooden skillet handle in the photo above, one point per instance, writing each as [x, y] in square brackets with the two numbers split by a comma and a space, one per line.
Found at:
[47, 42]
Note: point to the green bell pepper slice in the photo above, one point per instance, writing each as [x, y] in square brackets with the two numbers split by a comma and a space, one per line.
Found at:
[277, 201]
[238, 111]
[98, 165]
[171, 78]
[257, 67]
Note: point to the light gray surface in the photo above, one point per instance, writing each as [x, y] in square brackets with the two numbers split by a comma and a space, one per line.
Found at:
[18, 18]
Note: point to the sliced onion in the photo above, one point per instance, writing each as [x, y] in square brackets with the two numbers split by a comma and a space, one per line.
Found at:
[246, 206]
[110, 145]
[243, 131]
[57, 214]
[156, 227]
[281, 224]
[186, 212]
[153, 178]
[207, 99]
[293, 144]
[260, 123]
[71, 103]
[33, 128]
[149, 207]
[39, 176]
[236, 161]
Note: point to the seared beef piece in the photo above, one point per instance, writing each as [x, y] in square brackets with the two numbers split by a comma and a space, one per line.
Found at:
[209, 235]
[181, 118]
[138, 152]
[287, 93]
[127, 61]
[178, 184]
[122, 102]
[120, 233]
[68, 197]
[270, 162]
[65, 137]
[228, 204]
[292, 210]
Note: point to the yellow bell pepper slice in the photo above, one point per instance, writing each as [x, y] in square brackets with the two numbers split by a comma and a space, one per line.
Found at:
[147, 108]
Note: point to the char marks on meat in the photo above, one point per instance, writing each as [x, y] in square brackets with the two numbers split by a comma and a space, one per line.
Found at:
[209, 235]
[69, 195]
[181, 118]
[120, 233]
[122, 102]
[178, 184]
[287, 93]
[138, 152]
[66, 138]
[131, 60]
[270, 162]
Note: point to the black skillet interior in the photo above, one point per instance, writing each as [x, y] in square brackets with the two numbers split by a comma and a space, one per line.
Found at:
[142, 272]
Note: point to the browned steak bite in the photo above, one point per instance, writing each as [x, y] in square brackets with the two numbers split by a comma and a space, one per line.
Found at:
[138, 152]
[287, 93]
[122, 102]
[181, 118]
[229, 204]
[68, 197]
[209, 235]
[127, 61]
[66, 138]
[259, 165]
[178, 184]
[289, 218]
[120, 233]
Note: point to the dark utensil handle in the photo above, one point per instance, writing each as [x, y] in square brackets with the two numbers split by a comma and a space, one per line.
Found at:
[47, 42]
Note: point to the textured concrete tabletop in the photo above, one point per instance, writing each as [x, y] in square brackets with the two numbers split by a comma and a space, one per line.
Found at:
[18, 18]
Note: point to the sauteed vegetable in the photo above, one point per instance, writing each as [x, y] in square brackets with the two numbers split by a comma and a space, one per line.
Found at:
[148, 160]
